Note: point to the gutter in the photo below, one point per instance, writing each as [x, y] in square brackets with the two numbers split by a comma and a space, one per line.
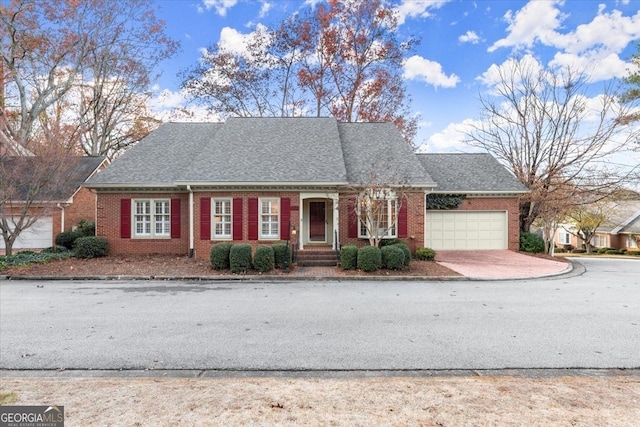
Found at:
[191, 236]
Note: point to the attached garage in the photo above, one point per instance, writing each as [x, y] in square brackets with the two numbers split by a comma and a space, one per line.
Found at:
[465, 230]
[38, 236]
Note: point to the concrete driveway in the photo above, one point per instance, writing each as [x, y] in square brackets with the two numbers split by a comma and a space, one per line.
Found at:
[500, 264]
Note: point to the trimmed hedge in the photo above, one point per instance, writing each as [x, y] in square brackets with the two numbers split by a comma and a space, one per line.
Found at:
[633, 253]
[240, 258]
[263, 260]
[392, 257]
[348, 257]
[91, 247]
[405, 249]
[425, 254]
[531, 242]
[68, 238]
[282, 255]
[219, 255]
[86, 228]
[369, 258]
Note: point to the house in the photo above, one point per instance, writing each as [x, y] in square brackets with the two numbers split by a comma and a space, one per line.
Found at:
[187, 186]
[59, 205]
[620, 230]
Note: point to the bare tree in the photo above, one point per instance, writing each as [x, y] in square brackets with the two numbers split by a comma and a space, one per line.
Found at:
[379, 200]
[543, 127]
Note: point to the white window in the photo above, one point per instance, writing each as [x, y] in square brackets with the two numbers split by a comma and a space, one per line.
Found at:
[380, 215]
[564, 238]
[221, 212]
[599, 241]
[269, 218]
[151, 218]
[632, 242]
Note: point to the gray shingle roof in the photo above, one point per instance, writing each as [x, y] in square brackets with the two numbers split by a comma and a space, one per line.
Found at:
[264, 150]
[622, 217]
[379, 147]
[242, 150]
[66, 176]
[475, 172]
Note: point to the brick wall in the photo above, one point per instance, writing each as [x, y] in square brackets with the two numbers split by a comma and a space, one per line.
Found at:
[203, 247]
[108, 225]
[83, 207]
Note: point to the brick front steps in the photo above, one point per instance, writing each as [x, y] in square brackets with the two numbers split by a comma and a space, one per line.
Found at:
[317, 258]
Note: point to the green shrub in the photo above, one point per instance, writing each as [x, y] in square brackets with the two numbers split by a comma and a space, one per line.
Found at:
[369, 258]
[282, 254]
[633, 253]
[614, 252]
[68, 238]
[57, 250]
[407, 252]
[240, 258]
[389, 242]
[86, 228]
[219, 255]
[531, 242]
[604, 250]
[263, 259]
[349, 257]
[392, 257]
[91, 247]
[425, 254]
[578, 251]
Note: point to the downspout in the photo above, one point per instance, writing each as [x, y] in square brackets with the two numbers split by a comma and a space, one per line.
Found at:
[191, 238]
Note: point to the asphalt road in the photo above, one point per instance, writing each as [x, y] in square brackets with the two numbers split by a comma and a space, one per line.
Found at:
[588, 320]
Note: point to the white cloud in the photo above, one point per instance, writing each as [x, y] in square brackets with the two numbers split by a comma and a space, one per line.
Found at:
[221, 6]
[450, 139]
[417, 8]
[419, 68]
[537, 21]
[469, 37]
[264, 9]
[492, 76]
[233, 41]
[595, 66]
[170, 106]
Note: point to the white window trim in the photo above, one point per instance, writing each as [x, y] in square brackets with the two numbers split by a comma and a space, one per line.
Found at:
[392, 233]
[561, 234]
[215, 236]
[262, 236]
[152, 214]
[632, 242]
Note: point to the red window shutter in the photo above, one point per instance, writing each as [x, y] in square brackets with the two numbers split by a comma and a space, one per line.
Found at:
[253, 218]
[205, 218]
[285, 217]
[403, 219]
[175, 218]
[237, 219]
[353, 218]
[125, 218]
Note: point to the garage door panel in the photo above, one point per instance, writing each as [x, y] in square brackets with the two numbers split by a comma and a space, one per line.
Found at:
[466, 230]
[38, 236]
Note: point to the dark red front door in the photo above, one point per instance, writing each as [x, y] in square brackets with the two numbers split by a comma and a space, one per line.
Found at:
[317, 222]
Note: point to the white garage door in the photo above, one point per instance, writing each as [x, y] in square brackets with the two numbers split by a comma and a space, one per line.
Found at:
[38, 236]
[465, 230]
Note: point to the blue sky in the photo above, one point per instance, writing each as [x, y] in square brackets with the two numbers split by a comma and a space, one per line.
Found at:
[461, 43]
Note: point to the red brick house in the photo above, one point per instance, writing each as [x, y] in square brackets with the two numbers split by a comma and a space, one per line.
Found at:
[187, 186]
[58, 207]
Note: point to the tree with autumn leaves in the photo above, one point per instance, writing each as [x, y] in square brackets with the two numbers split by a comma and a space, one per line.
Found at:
[341, 59]
[74, 79]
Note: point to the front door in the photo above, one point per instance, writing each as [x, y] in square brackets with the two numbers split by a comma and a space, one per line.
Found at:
[317, 222]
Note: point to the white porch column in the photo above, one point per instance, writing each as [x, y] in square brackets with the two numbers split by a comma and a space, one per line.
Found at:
[336, 220]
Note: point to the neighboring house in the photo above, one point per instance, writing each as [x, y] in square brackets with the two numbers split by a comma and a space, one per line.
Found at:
[621, 230]
[187, 186]
[59, 207]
